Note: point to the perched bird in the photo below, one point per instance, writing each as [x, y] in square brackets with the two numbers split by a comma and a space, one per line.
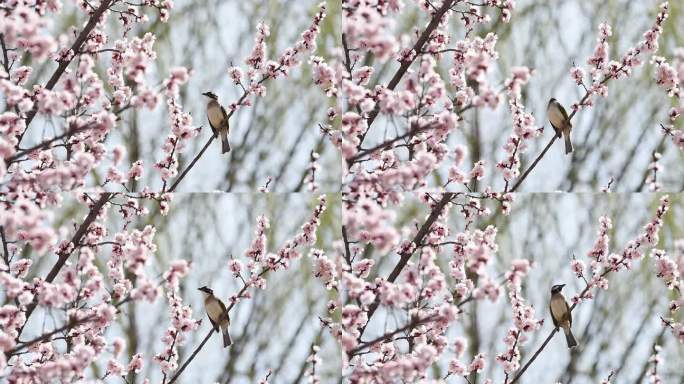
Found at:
[560, 122]
[218, 120]
[217, 310]
[561, 315]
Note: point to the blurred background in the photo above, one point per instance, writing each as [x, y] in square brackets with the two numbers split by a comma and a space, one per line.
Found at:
[274, 330]
[614, 139]
[617, 330]
[273, 138]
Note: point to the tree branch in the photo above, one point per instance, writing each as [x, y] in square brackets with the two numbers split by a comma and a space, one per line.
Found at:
[534, 164]
[389, 335]
[69, 325]
[45, 144]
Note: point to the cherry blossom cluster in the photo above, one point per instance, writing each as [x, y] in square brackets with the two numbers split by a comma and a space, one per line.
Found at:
[654, 167]
[602, 69]
[91, 283]
[421, 282]
[427, 298]
[416, 94]
[76, 96]
[91, 106]
[523, 125]
[524, 320]
[260, 261]
[603, 262]
[671, 78]
[260, 69]
[182, 322]
[656, 360]
[310, 180]
[181, 126]
[314, 360]
[670, 270]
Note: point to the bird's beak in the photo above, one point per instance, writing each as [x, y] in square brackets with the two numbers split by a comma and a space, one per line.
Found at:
[562, 285]
[205, 94]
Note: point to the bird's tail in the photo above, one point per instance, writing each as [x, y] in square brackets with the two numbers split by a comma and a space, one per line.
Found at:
[225, 145]
[227, 341]
[568, 143]
[569, 338]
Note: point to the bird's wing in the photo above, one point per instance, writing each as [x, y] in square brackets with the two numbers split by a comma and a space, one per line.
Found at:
[213, 129]
[565, 114]
[569, 313]
[225, 118]
[555, 322]
[223, 310]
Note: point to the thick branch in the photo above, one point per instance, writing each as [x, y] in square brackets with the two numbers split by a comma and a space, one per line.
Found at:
[417, 240]
[67, 251]
[75, 49]
[405, 64]
[5, 251]
[529, 362]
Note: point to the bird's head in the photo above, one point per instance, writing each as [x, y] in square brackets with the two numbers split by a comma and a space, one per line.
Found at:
[557, 288]
[206, 290]
[210, 95]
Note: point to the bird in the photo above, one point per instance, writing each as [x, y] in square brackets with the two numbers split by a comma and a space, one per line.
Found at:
[560, 122]
[216, 311]
[561, 314]
[218, 120]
